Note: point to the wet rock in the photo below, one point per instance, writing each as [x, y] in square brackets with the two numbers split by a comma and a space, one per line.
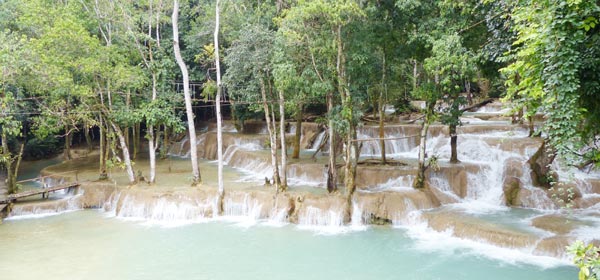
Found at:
[541, 172]
[556, 224]
[512, 188]
[554, 246]
[393, 205]
[476, 229]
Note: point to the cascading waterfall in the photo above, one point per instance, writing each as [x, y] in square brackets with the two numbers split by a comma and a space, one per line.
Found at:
[321, 220]
[392, 147]
[247, 210]
[46, 208]
[318, 140]
[162, 210]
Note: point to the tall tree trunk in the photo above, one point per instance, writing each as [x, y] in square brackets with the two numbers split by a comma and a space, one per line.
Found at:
[272, 136]
[126, 130]
[331, 168]
[166, 144]
[453, 140]
[67, 152]
[415, 74]
[221, 190]
[283, 186]
[298, 135]
[531, 126]
[88, 138]
[10, 182]
[152, 142]
[125, 151]
[420, 180]
[381, 111]
[351, 143]
[152, 154]
[103, 175]
[137, 128]
[186, 92]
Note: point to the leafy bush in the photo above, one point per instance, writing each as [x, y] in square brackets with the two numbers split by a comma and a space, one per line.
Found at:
[587, 258]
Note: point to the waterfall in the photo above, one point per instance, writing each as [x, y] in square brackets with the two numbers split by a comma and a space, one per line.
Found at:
[315, 145]
[392, 147]
[46, 208]
[162, 210]
[322, 221]
[248, 210]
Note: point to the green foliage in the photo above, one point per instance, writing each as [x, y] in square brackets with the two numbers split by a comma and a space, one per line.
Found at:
[587, 258]
[549, 69]
[37, 148]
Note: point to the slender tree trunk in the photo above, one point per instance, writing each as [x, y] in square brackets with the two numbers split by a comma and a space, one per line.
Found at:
[415, 74]
[125, 151]
[152, 143]
[152, 154]
[103, 175]
[15, 171]
[10, 182]
[136, 139]
[166, 144]
[420, 180]
[531, 126]
[298, 135]
[67, 153]
[126, 130]
[221, 190]
[88, 138]
[453, 140]
[272, 137]
[381, 112]
[275, 139]
[283, 144]
[186, 92]
[331, 168]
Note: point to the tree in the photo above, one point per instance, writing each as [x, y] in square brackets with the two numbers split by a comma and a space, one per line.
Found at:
[554, 65]
[218, 109]
[316, 26]
[196, 179]
[451, 64]
[249, 78]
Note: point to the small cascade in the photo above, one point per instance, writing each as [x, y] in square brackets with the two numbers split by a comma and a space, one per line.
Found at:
[48, 182]
[402, 183]
[357, 221]
[392, 147]
[248, 210]
[161, 210]
[179, 149]
[323, 221]
[255, 167]
[46, 208]
[409, 215]
[318, 140]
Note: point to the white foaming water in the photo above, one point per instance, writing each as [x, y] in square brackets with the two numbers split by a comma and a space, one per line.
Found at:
[315, 145]
[47, 208]
[443, 185]
[322, 221]
[402, 183]
[277, 217]
[357, 221]
[246, 212]
[446, 242]
[160, 211]
[392, 147]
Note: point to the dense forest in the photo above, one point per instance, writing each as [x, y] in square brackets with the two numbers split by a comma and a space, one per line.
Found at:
[110, 74]
[114, 70]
